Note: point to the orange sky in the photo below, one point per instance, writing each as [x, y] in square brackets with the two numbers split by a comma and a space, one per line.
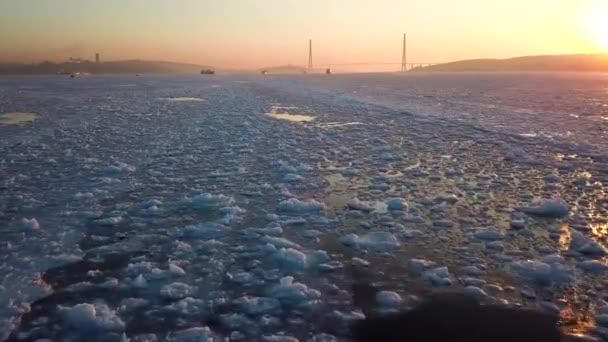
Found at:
[257, 33]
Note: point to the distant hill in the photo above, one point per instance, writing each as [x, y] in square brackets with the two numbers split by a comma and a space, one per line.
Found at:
[113, 67]
[285, 69]
[580, 62]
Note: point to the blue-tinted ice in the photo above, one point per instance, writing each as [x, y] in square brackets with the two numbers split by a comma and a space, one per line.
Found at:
[176, 209]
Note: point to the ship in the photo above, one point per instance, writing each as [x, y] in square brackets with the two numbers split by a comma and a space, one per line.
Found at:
[207, 72]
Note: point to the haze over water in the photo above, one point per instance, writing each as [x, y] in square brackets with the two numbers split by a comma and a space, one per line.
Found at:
[254, 34]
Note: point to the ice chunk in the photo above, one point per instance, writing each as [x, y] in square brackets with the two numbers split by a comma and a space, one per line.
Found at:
[551, 208]
[518, 155]
[420, 265]
[290, 292]
[188, 306]
[232, 214]
[489, 234]
[258, 305]
[472, 270]
[140, 282]
[541, 272]
[292, 178]
[475, 292]
[585, 245]
[130, 304]
[176, 270]
[593, 266]
[280, 242]
[177, 290]
[241, 277]
[209, 201]
[379, 241]
[388, 299]
[356, 204]
[279, 338]
[291, 259]
[298, 206]
[360, 262]
[91, 318]
[30, 223]
[396, 204]
[196, 334]
[203, 231]
[119, 167]
[323, 337]
[439, 276]
[110, 221]
[351, 240]
[317, 257]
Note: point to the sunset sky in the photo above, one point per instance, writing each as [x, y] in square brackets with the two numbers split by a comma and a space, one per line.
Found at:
[256, 33]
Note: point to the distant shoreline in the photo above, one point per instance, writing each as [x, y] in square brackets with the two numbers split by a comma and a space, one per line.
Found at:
[542, 63]
[113, 67]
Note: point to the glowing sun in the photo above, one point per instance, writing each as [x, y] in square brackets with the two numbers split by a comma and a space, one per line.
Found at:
[595, 22]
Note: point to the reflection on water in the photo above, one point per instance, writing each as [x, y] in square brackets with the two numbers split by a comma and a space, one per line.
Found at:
[275, 113]
[17, 118]
[182, 99]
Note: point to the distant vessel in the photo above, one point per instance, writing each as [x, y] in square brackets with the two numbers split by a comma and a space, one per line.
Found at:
[328, 71]
[207, 72]
[264, 72]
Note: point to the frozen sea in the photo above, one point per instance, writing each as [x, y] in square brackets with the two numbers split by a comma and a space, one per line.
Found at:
[189, 208]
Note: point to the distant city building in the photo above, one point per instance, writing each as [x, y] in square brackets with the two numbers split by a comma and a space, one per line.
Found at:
[97, 58]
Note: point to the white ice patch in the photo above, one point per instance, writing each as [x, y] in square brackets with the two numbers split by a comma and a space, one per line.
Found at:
[297, 206]
[91, 318]
[550, 208]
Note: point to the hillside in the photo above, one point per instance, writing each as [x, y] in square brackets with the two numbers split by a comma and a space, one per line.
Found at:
[580, 62]
[113, 67]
